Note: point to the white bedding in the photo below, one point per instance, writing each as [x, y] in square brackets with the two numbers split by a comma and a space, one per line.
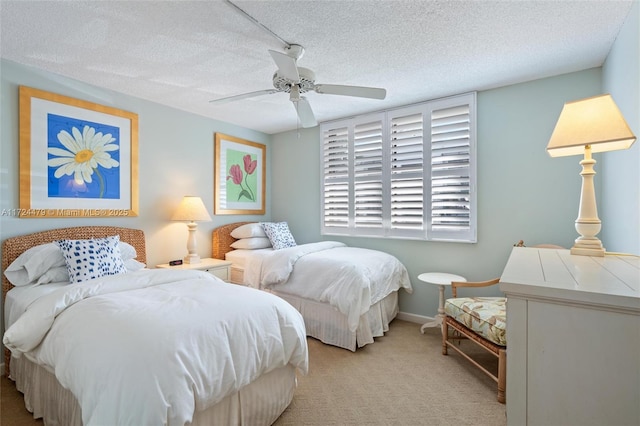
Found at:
[351, 279]
[153, 346]
[240, 257]
[18, 299]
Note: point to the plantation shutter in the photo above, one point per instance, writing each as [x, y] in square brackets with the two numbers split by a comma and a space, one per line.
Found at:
[335, 153]
[368, 175]
[451, 170]
[406, 171]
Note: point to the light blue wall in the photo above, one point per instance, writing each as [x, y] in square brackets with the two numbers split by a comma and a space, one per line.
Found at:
[176, 151]
[522, 192]
[619, 171]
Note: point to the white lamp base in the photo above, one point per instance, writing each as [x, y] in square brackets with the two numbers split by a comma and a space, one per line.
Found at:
[192, 257]
[588, 225]
[588, 247]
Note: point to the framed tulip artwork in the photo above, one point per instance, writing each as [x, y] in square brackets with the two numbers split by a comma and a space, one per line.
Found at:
[239, 176]
[77, 159]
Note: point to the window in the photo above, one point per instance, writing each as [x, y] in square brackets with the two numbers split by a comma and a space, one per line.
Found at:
[403, 173]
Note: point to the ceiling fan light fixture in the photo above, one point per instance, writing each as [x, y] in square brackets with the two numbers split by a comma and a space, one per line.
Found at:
[294, 93]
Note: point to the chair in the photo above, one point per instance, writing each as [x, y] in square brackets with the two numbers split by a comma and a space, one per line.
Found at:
[483, 321]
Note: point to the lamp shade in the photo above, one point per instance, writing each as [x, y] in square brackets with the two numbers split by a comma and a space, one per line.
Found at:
[191, 209]
[596, 122]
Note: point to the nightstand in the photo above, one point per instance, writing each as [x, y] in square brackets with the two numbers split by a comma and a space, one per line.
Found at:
[217, 267]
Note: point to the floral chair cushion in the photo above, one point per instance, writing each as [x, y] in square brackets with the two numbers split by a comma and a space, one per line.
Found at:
[487, 316]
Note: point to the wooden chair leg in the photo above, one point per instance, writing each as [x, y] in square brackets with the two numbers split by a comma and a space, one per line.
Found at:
[445, 335]
[502, 376]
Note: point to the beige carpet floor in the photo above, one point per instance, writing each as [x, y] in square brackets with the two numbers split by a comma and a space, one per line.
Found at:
[402, 379]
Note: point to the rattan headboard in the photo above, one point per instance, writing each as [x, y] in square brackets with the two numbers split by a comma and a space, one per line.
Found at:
[15, 246]
[221, 239]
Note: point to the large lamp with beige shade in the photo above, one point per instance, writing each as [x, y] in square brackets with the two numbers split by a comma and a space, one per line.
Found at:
[192, 209]
[585, 127]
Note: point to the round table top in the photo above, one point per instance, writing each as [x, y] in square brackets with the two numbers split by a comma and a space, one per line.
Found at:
[440, 278]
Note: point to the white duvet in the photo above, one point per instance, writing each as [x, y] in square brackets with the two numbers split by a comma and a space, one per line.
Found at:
[153, 346]
[351, 279]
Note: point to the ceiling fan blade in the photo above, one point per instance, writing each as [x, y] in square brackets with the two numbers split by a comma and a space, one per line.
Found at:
[358, 91]
[305, 113]
[243, 96]
[286, 65]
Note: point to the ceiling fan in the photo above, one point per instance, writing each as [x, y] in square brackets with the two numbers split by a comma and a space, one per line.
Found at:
[295, 80]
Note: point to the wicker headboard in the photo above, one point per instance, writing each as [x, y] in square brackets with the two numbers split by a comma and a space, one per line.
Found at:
[221, 239]
[15, 246]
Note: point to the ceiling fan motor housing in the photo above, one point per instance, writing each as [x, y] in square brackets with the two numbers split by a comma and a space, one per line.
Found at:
[306, 83]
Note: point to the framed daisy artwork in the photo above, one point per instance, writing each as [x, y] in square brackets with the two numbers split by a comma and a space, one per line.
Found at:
[239, 176]
[77, 158]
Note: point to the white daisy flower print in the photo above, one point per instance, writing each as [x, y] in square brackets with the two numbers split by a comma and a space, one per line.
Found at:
[83, 154]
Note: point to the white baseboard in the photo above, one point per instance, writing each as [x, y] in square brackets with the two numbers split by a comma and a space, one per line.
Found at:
[418, 319]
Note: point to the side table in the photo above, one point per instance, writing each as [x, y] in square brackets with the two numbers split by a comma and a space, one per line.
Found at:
[442, 279]
[217, 267]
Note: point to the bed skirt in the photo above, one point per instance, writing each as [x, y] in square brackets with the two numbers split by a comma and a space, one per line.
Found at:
[327, 324]
[259, 403]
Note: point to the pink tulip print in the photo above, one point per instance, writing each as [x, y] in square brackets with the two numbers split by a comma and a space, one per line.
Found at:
[249, 166]
[236, 175]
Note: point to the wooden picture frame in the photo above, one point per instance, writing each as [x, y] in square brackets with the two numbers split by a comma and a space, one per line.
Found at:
[239, 176]
[77, 158]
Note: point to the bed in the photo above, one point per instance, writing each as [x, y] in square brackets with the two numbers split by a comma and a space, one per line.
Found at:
[147, 346]
[347, 295]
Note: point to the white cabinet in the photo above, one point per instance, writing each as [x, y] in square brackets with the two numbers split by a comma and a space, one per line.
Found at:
[573, 338]
[219, 268]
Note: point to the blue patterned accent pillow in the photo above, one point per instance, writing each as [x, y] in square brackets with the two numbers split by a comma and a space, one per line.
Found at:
[279, 234]
[94, 258]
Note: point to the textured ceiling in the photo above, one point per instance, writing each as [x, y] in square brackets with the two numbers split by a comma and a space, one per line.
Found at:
[184, 53]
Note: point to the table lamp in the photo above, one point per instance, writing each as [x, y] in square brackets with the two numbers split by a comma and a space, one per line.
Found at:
[588, 126]
[192, 209]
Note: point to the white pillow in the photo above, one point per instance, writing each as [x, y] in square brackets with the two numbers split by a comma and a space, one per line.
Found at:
[94, 258]
[279, 234]
[252, 243]
[60, 274]
[33, 263]
[54, 275]
[248, 230]
[127, 251]
[133, 265]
